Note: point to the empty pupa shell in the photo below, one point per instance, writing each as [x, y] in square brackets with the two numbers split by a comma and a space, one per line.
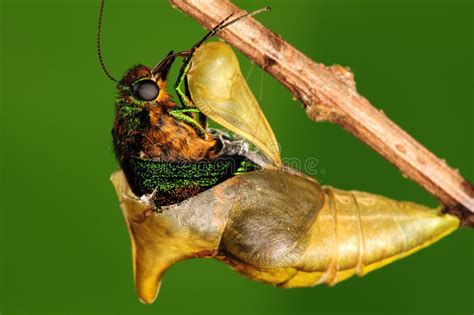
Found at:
[278, 227]
[219, 90]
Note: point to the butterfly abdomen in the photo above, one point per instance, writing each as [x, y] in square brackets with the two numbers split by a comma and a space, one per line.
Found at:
[173, 182]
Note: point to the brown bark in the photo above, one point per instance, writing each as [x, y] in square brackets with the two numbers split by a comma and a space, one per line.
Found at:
[329, 94]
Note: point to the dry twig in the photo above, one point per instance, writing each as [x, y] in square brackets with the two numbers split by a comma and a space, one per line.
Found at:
[329, 94]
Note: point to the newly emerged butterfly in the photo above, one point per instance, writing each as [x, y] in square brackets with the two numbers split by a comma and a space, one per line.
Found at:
[190, 191]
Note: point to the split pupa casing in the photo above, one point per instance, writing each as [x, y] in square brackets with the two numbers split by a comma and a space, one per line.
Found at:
[279, 227]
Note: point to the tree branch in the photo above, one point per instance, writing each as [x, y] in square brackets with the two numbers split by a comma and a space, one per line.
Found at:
[329, 94]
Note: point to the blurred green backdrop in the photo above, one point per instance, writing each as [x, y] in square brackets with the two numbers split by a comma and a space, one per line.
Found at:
[64, 245]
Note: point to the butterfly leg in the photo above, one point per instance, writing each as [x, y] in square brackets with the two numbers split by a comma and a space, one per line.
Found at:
[182, 114]
[183, 94]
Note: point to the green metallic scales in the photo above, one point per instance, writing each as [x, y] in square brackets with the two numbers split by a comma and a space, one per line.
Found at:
[129, 115]
[165, 178]
[244, 167]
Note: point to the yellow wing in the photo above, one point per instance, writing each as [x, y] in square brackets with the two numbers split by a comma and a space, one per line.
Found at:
[219, 90]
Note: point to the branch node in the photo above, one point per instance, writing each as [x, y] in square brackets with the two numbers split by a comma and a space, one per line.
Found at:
[344, 74]
[321, 112]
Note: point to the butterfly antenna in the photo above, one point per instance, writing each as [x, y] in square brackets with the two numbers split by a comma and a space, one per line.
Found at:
[225, 22]
[99, 50]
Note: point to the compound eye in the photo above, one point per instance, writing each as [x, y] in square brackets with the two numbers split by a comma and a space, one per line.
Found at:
[146, 90]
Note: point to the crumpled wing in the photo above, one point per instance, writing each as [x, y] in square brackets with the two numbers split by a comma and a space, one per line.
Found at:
[270, 220]
[219, 90]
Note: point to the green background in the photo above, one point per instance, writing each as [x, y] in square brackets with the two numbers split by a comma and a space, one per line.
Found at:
[64, 245]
